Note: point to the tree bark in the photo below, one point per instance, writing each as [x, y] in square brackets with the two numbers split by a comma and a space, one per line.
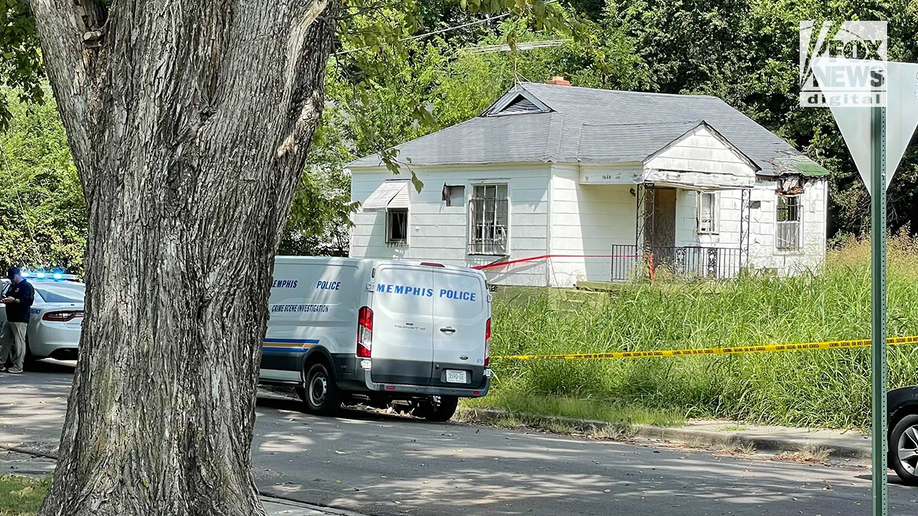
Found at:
[189, 123]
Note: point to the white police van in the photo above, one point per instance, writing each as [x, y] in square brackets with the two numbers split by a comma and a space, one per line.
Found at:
[378, 332]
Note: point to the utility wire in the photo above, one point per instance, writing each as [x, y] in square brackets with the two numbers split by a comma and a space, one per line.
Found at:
[431, 33]
[440, 31]
[526, 45]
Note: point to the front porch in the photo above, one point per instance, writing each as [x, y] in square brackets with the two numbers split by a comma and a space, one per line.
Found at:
[631, 262]
[686, 232]
[692, 199]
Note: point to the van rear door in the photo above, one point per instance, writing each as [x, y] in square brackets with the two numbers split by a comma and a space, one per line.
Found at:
[402, 350]
[460, 317]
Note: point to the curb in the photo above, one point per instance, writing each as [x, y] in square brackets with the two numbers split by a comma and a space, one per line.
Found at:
[304, 506]
[680, 435]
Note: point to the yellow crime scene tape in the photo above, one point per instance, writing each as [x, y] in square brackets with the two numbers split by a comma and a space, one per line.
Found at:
[770, 348]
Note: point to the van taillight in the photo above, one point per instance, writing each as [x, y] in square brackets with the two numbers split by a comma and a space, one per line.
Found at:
[364, 332]
[487, 342]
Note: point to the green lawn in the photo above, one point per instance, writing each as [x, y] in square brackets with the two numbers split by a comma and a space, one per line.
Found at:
[20, 496]
[590, 409]
[810, 389]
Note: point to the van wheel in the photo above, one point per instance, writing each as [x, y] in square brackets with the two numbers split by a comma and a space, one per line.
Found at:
[904, 444]
[438, 408]
[320, 395]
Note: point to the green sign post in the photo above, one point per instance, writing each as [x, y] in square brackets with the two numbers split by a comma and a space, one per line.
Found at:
[878, 307]
[877, 139]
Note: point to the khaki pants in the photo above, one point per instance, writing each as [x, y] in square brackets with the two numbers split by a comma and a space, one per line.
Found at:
[12, 337]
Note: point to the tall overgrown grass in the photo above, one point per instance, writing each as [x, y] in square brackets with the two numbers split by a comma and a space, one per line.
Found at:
[813, 389]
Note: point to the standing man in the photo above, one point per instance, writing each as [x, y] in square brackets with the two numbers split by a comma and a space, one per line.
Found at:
[18, 299]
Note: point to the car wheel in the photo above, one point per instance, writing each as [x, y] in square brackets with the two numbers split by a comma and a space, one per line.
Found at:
[439, 408]
[904, 441]
[320, 394]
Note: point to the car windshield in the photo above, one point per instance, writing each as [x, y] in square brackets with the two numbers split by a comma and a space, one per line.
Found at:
[62, 293]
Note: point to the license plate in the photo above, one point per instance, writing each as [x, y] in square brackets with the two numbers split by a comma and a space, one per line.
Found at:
[455, 376]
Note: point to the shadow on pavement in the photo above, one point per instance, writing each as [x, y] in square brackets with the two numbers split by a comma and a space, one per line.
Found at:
[52, 366]
[386, 464]
[33, 405]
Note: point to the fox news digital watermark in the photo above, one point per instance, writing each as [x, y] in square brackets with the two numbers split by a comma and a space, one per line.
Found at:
[844, 68]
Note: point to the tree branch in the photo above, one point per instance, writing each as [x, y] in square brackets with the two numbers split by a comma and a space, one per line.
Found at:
[61, 26]
[304, 80]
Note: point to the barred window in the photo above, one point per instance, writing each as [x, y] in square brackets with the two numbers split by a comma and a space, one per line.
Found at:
[787, 236]
[489, 220]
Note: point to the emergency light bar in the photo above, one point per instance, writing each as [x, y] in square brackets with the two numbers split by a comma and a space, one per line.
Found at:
[56, 276]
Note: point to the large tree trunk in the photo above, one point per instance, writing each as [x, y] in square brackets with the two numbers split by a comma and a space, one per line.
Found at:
[189, 122]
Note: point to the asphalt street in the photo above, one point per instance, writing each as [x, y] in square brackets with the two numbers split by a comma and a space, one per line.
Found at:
[387, 465]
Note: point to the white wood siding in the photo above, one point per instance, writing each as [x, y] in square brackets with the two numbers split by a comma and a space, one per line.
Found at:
[553, 213]
[727, 227]
[762, 223]
[699, 159]
[609, 173]
[439, 233]
[762, 250]
[587, 219]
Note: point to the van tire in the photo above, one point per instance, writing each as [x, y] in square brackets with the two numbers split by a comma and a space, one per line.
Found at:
[320, 394]
[439, 411]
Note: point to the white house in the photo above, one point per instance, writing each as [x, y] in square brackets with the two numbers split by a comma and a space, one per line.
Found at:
[555, 184]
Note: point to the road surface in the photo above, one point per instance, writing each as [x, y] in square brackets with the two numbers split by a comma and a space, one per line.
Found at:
[390, 465]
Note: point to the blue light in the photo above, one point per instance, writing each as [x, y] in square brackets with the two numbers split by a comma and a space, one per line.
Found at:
[58, 275]
[40, 275]
[24, 274]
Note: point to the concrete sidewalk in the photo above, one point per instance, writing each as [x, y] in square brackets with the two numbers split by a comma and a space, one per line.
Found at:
[835, 444]
[777, 439]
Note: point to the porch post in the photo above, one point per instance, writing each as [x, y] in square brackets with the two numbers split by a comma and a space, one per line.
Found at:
[645, 214]
[638, 214]
[644, 223]
[745, 227]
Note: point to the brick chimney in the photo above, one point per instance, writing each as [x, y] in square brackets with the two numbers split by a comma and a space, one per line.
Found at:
[558, 80]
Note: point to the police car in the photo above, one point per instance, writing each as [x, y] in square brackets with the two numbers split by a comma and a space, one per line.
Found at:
[56, 315]
[383, 333]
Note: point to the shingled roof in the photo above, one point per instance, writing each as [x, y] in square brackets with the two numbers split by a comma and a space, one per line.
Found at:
[536, 122]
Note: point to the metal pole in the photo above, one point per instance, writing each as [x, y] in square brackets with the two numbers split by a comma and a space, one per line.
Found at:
[878, 308]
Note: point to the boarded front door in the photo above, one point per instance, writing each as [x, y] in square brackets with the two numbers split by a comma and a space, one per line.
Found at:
[664, 218]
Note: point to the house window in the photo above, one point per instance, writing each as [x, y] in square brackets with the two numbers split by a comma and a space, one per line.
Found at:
[707, 213]
[489, 227]
[788, 219]
[397, 227]
[454, 195]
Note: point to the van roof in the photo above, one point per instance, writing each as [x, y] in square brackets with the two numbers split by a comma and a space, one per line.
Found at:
[336, 260]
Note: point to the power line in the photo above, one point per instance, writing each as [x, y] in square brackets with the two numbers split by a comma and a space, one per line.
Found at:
[441, 31]
[528, 45]
[432, 33]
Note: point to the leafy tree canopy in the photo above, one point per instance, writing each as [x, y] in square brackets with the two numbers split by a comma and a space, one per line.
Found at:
[403, 69]
[41, 205]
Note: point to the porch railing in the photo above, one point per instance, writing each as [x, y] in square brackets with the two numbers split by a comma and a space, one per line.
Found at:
[689, 262]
